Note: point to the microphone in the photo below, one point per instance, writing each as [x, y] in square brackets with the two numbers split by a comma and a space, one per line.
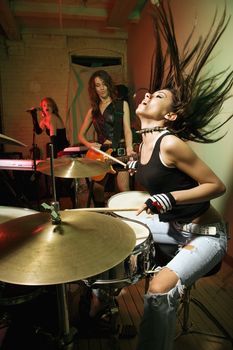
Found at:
[37, 109]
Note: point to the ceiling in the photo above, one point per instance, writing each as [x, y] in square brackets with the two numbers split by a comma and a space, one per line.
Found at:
[71, 17]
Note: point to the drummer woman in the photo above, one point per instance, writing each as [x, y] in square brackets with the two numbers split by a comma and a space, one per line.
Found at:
[178, 108]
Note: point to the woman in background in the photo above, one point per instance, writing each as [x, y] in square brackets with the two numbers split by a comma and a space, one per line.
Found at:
[52, 123]
[110, 117]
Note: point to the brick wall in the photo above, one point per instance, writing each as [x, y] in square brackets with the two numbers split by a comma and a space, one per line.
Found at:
[35, 67]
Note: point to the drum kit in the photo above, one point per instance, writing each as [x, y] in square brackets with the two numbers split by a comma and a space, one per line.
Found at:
[59, 247]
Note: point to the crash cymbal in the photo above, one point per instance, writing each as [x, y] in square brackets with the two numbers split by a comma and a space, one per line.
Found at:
[69, 167]
[8, 213]
[10, 141]
[33, 251]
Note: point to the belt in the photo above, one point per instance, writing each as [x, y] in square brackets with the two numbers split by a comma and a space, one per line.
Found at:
[119, 151]
[203, 230]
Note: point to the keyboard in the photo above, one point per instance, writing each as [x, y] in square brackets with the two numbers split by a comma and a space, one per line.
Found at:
[18, 164]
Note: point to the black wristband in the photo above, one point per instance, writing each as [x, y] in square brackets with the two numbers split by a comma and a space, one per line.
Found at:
[160, 203]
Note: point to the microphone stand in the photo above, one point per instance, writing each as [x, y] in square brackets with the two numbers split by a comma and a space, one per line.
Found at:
[35, 176]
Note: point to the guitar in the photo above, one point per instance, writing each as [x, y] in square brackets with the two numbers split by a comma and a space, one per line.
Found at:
[91, 154]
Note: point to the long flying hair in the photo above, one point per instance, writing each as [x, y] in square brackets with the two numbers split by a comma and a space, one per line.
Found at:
[198, 98]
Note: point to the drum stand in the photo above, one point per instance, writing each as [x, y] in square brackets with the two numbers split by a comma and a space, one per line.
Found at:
[108, 324]
[66, 334]
[76, 186]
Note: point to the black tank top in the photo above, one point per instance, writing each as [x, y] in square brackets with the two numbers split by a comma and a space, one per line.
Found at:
[109, 125]
[61, 141]
[156, 178]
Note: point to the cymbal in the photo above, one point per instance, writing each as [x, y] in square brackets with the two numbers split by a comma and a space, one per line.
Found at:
[8, 213]
[34, 251]
[10, 141]
[69, 167]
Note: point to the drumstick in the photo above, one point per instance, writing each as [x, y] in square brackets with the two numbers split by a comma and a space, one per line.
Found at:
[109, 156]
[104, 209]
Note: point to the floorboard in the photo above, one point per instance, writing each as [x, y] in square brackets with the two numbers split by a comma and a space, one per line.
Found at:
[215, 292]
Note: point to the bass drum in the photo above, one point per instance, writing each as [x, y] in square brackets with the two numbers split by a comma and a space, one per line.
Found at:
[134, 267]
[13, 294]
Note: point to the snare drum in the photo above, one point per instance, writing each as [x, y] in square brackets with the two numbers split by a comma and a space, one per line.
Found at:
[13, 294]
[129, 199]
[134, 267]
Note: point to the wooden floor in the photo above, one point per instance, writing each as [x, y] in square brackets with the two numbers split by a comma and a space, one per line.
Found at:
[215, 292]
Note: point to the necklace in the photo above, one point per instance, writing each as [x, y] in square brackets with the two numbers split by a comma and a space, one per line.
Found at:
[147, 130]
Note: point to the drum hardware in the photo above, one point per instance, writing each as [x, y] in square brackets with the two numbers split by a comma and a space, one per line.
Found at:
[128, 272]
[51, 248]
[74, 168]
[57, 254]
[74, 230]
[8, 140]
[11, 294]
[133, 268]
[68, 334]
[76, 248]
[76, 186]
[76, 264]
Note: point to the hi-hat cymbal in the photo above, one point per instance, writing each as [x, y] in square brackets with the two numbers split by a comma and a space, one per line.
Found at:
[10, 141]
[33, 251]
[69, 167]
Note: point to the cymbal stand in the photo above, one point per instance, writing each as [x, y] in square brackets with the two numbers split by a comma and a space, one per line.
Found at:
[55, 204]
[67, 334]
[76, 185]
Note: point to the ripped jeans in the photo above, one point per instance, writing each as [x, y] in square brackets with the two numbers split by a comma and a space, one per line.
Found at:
[157, 329]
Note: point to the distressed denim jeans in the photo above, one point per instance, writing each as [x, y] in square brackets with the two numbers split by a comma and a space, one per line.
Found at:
[157, 329]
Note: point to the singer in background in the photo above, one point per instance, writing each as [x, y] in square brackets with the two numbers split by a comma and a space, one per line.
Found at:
[52, 123]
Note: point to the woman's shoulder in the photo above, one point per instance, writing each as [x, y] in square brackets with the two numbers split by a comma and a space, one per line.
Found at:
[172, 143]
[169, 138]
